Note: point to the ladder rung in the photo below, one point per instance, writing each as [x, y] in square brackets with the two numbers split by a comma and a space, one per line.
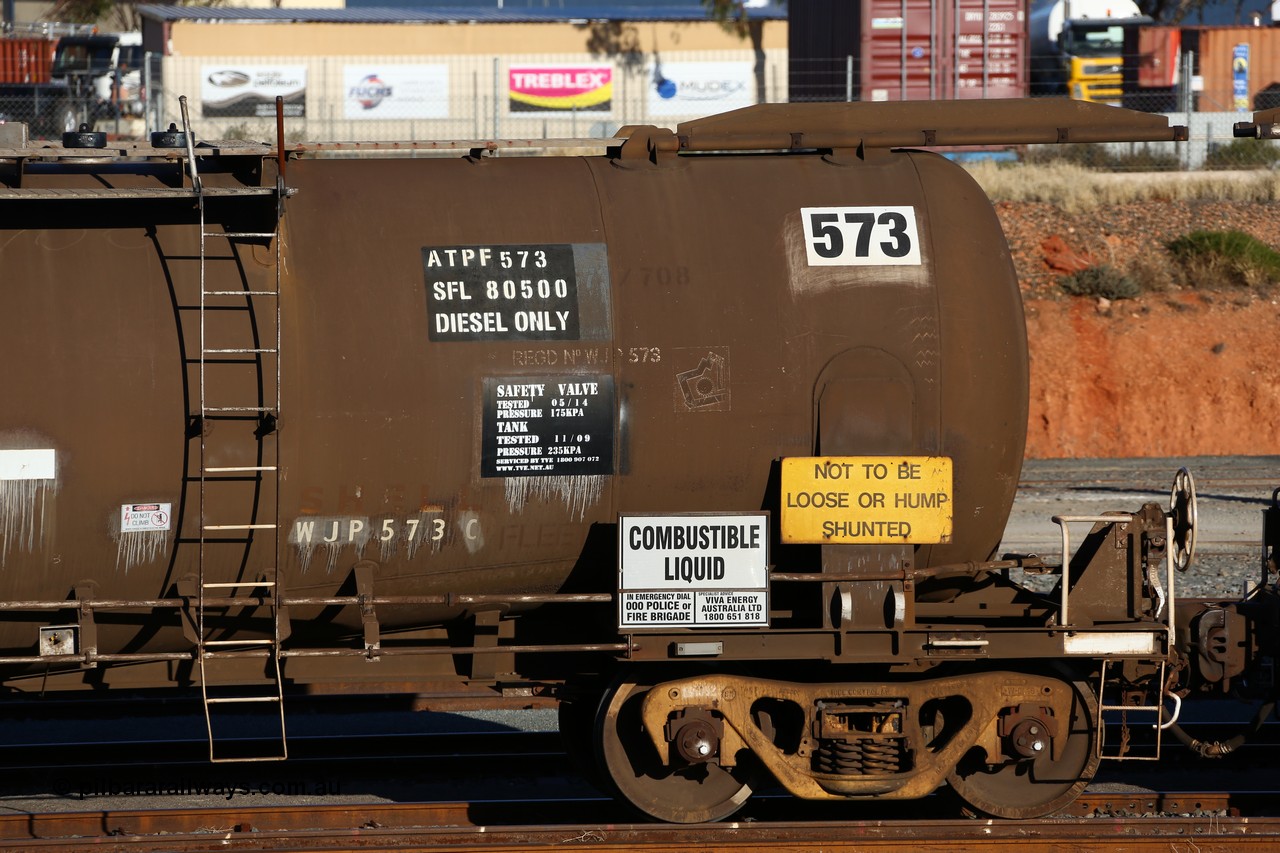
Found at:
[1152, 708]
[226, 192]
[103, 193]
[225, 649]
[239, 642]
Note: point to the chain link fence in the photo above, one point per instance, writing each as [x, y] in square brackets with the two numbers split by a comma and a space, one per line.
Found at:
[539, 96]
[1209, 104]
[115, 98]
[533, 96]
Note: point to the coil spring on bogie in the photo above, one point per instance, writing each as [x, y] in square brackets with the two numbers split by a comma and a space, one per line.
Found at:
[860, 756]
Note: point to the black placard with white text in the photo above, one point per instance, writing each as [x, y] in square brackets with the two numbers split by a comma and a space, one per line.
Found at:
[547, 425]
[502, 293]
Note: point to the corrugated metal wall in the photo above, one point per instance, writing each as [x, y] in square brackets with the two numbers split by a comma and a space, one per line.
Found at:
[907, 49]
[1217, 64]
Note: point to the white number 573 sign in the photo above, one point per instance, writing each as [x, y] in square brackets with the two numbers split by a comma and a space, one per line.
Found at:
[861, 236]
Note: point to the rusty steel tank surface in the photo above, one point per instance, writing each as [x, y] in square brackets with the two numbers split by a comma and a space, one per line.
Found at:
[486, 359]
[483, 357]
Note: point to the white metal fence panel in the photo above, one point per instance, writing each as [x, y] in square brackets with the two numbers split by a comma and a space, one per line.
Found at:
[534, 96]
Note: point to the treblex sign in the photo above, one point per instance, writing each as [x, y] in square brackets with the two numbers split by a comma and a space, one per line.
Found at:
[560, 88]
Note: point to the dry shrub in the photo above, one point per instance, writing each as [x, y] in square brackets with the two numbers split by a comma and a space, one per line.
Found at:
[1079, 190]
[1152, 272]
[1214, 272]
[1211, 260]
[1206, 272]
[1243, 154]
[1103, 280]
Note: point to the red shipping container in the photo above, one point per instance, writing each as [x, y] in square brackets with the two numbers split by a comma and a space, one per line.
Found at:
[1157, 58]
[26, 60]
[943, 49]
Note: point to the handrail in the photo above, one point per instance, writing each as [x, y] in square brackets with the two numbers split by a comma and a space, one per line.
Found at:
[1165, 600]
[1062, 521]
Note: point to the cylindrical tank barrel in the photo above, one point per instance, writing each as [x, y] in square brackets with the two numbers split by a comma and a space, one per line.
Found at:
[482, 362]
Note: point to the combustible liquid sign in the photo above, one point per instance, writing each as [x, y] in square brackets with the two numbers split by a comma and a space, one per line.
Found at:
[701, 570]
[867, 500]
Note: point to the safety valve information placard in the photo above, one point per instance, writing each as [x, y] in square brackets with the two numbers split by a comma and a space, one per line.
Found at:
[693, 571]
[867, 499]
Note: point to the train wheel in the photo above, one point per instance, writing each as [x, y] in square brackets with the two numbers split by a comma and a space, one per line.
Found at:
[688, 794]
[1039, 786]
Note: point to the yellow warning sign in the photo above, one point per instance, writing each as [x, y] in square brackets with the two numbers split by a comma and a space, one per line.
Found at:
[867, 499]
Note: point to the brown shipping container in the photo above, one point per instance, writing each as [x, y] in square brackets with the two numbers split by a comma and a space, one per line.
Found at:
[26, 60]
[1155, 56]
[908, 49]
[1217, 50]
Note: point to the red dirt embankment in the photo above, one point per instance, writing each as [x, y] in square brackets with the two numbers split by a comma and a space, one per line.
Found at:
[1175, 372]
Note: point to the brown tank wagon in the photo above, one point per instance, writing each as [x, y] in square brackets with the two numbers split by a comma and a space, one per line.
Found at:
[711, 436]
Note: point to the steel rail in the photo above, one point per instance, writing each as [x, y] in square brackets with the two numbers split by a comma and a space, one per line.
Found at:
[470, 826]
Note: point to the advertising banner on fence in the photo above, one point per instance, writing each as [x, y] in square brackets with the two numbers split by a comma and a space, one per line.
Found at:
[560, 88]
[1240, 78]
[251, 90]
[395, 91]
[700, 88]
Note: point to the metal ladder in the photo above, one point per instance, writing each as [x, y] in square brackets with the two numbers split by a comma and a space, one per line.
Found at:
[261, 354]
[1111, 710]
